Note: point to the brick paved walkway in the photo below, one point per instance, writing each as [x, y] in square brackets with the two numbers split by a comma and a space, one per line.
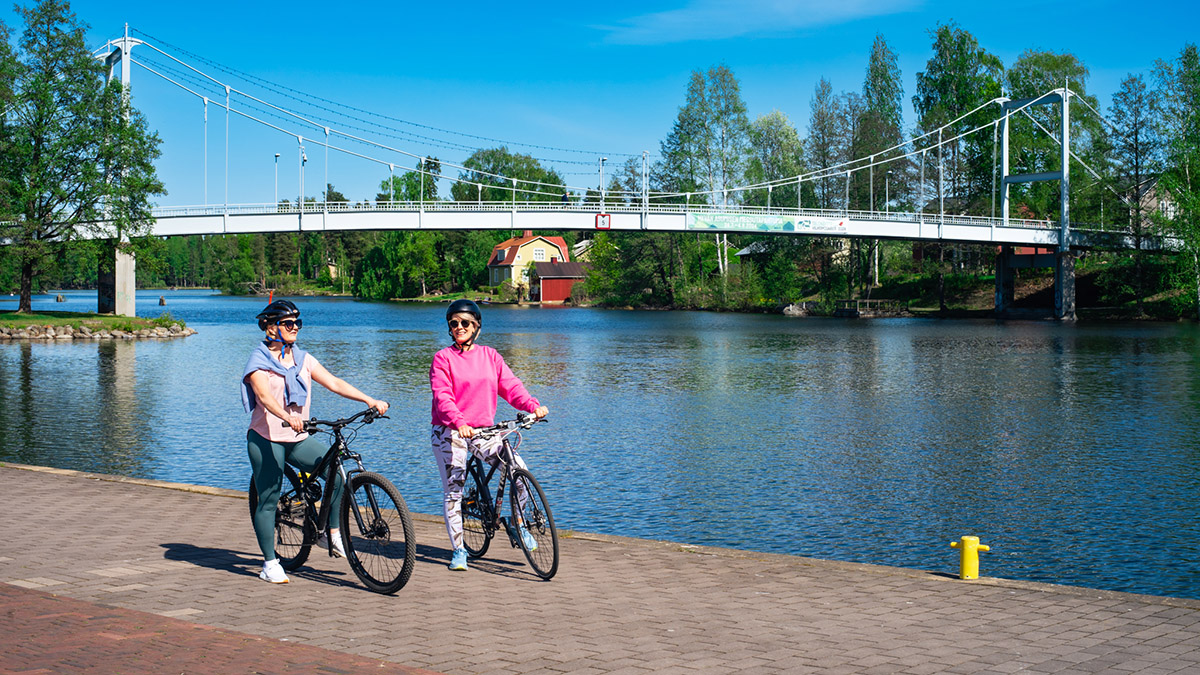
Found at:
[617, 606]
[44, 633]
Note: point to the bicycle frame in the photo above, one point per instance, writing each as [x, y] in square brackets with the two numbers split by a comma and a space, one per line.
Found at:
[495, 508]
[339, 453]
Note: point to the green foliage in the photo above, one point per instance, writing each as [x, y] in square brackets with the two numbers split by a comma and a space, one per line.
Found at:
[709, 144]
[959, 76]
[413, 186]
[534, 183]
[78, 159]
[1034, 133]
[776, 152]
[827, 143]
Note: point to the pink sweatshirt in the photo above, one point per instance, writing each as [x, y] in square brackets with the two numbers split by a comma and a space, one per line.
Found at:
[465, 385]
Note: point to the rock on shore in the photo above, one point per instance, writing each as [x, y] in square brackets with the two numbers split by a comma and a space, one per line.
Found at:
[36, 332]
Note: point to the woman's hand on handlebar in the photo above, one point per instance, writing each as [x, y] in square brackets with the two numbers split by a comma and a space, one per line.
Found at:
[541, 412]
[466, 431]
[296, 423]
[381, 406]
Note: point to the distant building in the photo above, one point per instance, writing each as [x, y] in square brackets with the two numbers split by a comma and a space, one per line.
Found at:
[511, 258]
[553, 282]
[581, 249]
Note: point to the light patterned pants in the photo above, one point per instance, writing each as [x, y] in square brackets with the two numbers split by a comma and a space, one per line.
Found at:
[450, 450]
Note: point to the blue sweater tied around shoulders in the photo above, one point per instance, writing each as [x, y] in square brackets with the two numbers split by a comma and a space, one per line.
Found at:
[296, 391]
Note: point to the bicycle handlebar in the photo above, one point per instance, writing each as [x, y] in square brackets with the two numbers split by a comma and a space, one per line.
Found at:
[524, 421]
[369, 415]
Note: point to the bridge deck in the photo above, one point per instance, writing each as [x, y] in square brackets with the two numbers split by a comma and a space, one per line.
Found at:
[317, 217]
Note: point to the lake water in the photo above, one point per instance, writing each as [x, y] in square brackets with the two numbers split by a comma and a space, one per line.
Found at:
[1073, 450]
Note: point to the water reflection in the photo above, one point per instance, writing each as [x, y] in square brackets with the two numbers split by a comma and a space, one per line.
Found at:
[870, 441]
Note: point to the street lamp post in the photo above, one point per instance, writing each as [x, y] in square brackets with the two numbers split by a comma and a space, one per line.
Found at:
[277, 180]
[303, 160]
[602, 161]
[887, 199]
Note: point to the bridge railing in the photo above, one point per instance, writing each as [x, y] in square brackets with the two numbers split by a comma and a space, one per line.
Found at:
[656, 209]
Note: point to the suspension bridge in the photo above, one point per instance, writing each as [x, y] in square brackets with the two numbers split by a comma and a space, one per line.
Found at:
[534, 205]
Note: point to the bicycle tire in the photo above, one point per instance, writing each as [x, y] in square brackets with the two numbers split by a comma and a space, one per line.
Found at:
[537, 519]
[378, 534]
[295, 524]
[476, 514]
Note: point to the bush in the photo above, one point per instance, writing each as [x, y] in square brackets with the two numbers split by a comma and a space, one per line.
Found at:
[507, 292]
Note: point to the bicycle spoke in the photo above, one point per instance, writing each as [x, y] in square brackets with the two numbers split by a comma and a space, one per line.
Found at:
[477, 516]
[531, 512]
[377, 533]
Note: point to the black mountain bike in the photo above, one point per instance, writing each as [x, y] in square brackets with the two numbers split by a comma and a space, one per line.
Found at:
[376, 528]
[482, 509]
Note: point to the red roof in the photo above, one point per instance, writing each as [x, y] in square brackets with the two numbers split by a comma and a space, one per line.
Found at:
[511, 246]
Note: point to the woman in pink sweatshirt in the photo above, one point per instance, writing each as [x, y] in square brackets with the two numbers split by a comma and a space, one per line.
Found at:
[465, 379]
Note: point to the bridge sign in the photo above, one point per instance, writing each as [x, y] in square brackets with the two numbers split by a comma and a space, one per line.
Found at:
[603, 221]
[762, 223]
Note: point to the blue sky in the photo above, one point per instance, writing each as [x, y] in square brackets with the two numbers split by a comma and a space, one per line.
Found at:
[601, 78]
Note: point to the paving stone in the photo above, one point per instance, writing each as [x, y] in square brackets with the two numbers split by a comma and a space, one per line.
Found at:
[617, 605]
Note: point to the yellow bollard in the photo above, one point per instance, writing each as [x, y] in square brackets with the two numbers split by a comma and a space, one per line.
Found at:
[969, 556]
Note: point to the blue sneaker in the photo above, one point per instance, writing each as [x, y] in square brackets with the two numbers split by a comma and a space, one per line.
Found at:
[458, 561]
[528, 540]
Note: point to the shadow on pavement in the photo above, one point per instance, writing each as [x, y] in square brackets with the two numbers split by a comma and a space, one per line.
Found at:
[512, 569]
[214, 558]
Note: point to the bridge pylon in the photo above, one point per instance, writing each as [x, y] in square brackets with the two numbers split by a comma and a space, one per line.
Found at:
[1064, 264]
[116, 280]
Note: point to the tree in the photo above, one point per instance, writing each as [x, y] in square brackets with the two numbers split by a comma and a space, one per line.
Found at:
[624, 187]
[1136, 149]
[1178, 86]
[1035, 132]
[879, 125]
[959, 77]
[679, 169]
[80, 159]
[710, 140]
[776, 152]
[489, 178]
[879, 132]
[729, 139]
[413, 186]
[826, 142]
[400, 266]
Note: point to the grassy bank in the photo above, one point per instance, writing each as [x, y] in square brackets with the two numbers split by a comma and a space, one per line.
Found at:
[94, 322]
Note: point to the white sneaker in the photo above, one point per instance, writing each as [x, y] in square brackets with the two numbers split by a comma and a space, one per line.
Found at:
[338, 550]
[273, 572]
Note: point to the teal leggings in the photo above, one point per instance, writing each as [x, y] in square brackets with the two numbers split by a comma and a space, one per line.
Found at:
[266, 460]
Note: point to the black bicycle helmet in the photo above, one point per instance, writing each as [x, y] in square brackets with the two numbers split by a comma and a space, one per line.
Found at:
[276, 311]
[464, 306]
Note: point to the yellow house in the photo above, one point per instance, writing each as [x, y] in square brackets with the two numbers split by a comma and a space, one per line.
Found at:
[511, 258]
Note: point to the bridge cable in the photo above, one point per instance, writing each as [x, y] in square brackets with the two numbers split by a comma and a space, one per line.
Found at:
[281, 89]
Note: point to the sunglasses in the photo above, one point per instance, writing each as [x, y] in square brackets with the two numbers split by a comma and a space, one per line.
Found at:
[291, 325]
[465, 323]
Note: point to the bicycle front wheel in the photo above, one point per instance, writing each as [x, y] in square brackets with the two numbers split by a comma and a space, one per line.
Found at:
[377, 532]
[295, 524]
[533, 513]
[476, 514]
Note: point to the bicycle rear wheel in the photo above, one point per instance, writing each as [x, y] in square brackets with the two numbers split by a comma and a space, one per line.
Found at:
[476, 513]
[531, 510]
[377, 532]
[295, 523]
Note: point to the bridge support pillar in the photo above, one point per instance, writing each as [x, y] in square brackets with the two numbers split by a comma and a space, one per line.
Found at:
[116, 281]
[1006, 287]
[1064, 286]
[1063, 262]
